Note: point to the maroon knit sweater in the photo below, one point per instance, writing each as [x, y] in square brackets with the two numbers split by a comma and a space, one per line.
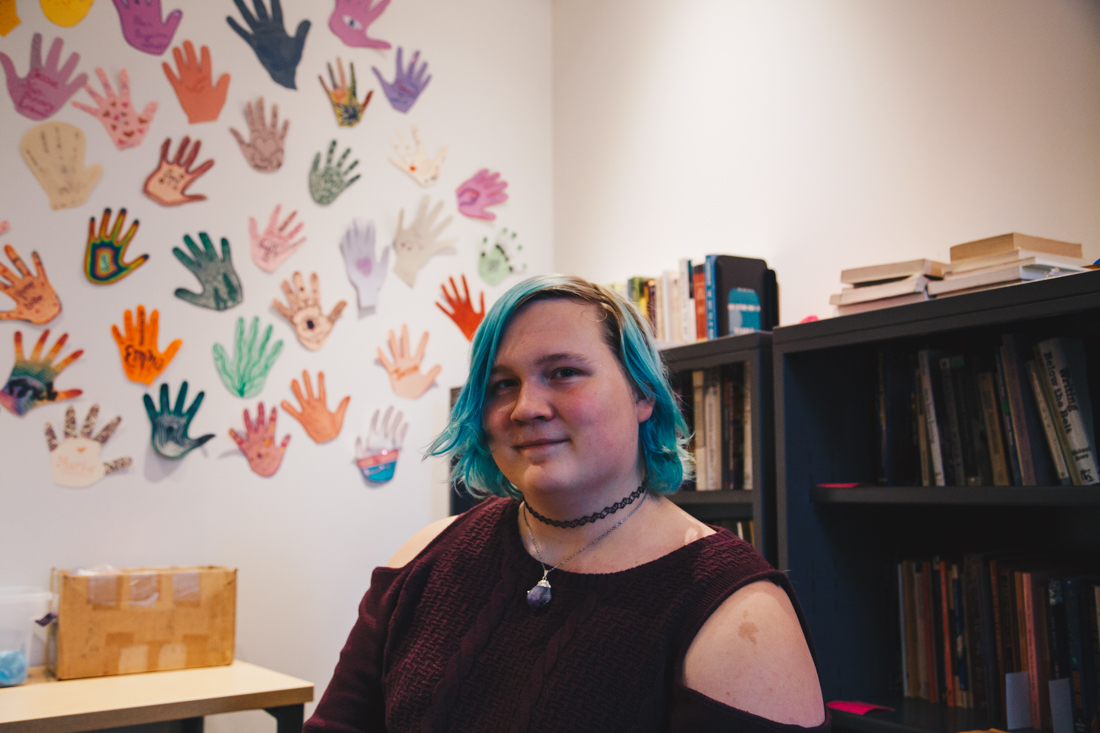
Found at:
[448, 642]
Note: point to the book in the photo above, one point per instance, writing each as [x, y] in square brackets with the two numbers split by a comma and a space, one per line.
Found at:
[875, 273]
[879, 291]
[903, 626]
[927, 477]
[999, 276]
[1008, 242]
[1055, 435]
[1006, 421]
[1034, 585]
[874, 305]
[991, 415]
[991, 662]
[712, 423]
[954, 443]
[687, 303]
[935, 452]
[699, 289]
[982, 470]
[747, 466]
[1063, 365]
[711, 294]
[1077, 647]
[1009, 257]
[1038, 262]
[1056, 630]
[920, 606]
[1014, 388]
[958, 642]
[699, 430]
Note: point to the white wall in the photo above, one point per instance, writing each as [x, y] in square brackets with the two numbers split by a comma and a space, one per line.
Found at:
[819, 136]
[306, 540]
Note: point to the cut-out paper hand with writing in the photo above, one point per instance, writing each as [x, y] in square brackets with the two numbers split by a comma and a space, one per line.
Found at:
[416, 162]
[66, 13]
[9, 18]
[258, 443]
[462, 308]
[246, 373]
[270, 249]
[499, 261]
[142, 359]
[44, 89]
[264, 149]
[170, 425]
[31, 382]
[414, 246]
[142, 26]
[320, 424]
[406, 380]
[168, 184]
[221, 288]
[277, 51]
[75, 462]
[348, 110]
[54, 151]
[481, 191]
[200, 98]
[365, 272]
[35, 299]
[325, 184]
[311, 325]
[377, 456]
[104, 254]
[351, 21]
[408, 82]
[116, 113]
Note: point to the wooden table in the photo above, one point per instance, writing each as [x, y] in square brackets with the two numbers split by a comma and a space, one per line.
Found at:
[45, 705]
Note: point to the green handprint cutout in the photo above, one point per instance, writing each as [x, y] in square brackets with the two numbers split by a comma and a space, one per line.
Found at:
[221, 288]
[246, 374]
[103, 263]
[325, 184]
[499, 261]
[169, 436]
[31, 380]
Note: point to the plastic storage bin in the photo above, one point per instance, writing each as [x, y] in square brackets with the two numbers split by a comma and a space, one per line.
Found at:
[20, 607]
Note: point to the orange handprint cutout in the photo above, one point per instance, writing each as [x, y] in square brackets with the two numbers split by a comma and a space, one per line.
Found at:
[199, 97]
[462, 308]
[258, 443]
[142, 359]
[405, 377]
[168, 184]
[320, 424]
[35, 299]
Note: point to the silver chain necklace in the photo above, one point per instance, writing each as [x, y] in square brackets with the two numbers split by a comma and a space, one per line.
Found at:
[540, 594]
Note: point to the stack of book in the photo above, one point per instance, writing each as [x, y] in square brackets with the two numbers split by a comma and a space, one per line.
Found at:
[718, 407]
[884, 286]
[1006, 260]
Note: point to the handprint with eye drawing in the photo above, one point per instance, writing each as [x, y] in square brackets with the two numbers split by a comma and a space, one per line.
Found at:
[103, 256]
[142, 359]
[408, 82]
[258, 444]
[270, 249]
[45, 88]
[311, 325]
[168, 184]
[75, 462]
[116, 113]
[406, 379]
[54, 152]
[320, 424]
[365, 271]
[170, 425]
[221, 287]
[200, 98]
[416, 162]
[348, 110]
[35, 299]
[325, 184]
[142, 26]
[245, 374]
[264, 149]
[462, 308]
[277, 51]
[351, 20]
[31, 382]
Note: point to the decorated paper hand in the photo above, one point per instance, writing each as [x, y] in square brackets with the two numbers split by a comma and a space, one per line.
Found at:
[498, 262]
[407, 84]
[31, 382]
[365, 272]
[35, 299]
[479, 192]
[9, 18]
[221, 288]
[170, 425]
[66, 13]
[311, 325]
[278, 52]
[462, 308]
[404, 371]
[142, 26]
[413, 247]
[377, 456]
[142, 359]
[264, 149]
[44, 89]
[271, 248]
[75, 462]
[200, 98]
[116, 113]
[320, 424]
[348, 111]
[103, 257]
[258, 443]
[168, 184]
[421, 168]
[54, 152]
[325, 184]
[351, 21]
[245, 375]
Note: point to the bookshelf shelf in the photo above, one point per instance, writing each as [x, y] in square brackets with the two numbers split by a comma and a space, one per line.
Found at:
[914, 716]
[1024, 496]
[706, 505]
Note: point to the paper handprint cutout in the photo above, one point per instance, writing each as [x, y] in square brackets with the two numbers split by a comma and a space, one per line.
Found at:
[142, 25]
[104, 254]
[481, 191]
[45, 88]
[404, 371]
[35, 299]
[75, 461]
[271, 248]
[414, 246]
[264, 149]
[221, 287]
[258, 443]
[246, 373]
[499, 261]
[462, 308]
[351, 21]
[66, 13]
[142, 359]
[31, 382]
[320, 424]
[303, 310]
[376, 457]
[168, 184]
[408, 82]
[54, 151]
[365, 272]
[116, 113]
[200, 98]
[348, 110]
[325, 184]
[170, 425]
[278, 52]
[416, 162]
[9, 18]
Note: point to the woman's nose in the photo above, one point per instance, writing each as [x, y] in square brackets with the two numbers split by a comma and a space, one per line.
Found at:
[532, 403]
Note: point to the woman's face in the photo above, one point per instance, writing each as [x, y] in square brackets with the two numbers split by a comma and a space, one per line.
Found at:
[559, 412]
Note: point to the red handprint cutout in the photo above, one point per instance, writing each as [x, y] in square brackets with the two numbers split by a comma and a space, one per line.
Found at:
[199, 97]
[258, 444]
[462, 308]
[168, 184]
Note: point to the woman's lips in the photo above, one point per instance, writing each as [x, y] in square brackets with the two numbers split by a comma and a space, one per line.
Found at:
[537, 444]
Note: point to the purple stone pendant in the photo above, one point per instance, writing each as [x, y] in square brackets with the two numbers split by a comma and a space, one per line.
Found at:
[539, 596]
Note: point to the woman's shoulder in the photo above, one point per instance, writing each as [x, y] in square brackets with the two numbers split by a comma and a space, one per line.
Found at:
[485, 512]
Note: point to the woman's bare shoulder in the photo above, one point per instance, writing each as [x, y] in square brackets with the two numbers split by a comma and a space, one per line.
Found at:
[418, 542]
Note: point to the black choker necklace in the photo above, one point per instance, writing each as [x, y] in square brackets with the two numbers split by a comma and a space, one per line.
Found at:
[606, 511]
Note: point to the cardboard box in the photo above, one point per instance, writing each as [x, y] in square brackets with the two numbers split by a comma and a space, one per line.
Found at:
[142, 620]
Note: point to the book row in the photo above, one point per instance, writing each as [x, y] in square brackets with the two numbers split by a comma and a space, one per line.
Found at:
[717, 406]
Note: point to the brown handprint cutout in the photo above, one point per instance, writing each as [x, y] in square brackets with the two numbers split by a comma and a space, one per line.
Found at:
[199, 97]
[320, 424]
[258, 443]
[311, 325]
[264, 149]
[405, 377]
[168, 184]
[462, 308]
[35, 299]
[142, 359]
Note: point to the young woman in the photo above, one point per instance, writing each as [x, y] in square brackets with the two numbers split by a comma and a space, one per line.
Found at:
[576, 597]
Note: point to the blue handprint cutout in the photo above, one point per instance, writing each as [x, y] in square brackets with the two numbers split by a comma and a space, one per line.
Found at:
[245, 375]
[169, 436]
[407, 84]
[221, 288]
[278, 52]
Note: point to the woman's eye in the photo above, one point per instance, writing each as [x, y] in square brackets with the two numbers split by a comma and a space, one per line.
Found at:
[566, 372]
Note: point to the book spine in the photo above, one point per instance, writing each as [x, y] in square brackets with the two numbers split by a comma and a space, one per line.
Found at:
[930, 418]
[1008, 621]
[699, 288]
[946, 635]
[933, 650]
[988, 395]
[1022, 657]
[954, 433]
[921, 430]
[903, 628]
[919, 628]
[977, 440]
[1090, 612]
[1004, 661]
[687, 303]
[883, 437]
[1006, 421]
[1054, 440]
[728, 428]
[712, 298]
[987, 643]
[697, 381]
[1019, 422]
[1037, 661]
[962, 668]
[1068, 385]
[676, 326]
[747, 466]
[912, 649]
[713, 425]
[1056, 630]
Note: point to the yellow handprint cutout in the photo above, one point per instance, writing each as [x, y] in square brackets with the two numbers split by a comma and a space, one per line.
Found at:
[66, 13]
[8, 17]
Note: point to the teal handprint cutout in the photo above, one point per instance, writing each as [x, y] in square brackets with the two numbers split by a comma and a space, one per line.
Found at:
[499, 261]
[32, 380]
[169, 436]
[325, 184]
[245, 375]
[221, 288]
[103, 257]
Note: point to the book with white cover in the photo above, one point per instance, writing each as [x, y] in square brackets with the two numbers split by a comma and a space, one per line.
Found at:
[1005, 275]
[874, 273]
[874, 305]
[1040, 261]
[891, 289]
[1015, 256]
[1009, 242]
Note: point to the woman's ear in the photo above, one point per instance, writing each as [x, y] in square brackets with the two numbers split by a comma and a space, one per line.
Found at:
[643, 408]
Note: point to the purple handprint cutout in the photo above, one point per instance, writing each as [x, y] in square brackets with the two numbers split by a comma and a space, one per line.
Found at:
[44, 89]
[142, 26]
[351, 19]
[483, 190]
[407, 83]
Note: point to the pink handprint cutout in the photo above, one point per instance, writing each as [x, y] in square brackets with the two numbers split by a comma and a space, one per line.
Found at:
[351, 19]
[142, 26]
[116, 113]
[258, 443]
[406, 379]
[45, 88]
[270, 249]
[480, 191]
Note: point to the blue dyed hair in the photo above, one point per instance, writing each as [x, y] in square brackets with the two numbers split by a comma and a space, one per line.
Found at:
[662, 437]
